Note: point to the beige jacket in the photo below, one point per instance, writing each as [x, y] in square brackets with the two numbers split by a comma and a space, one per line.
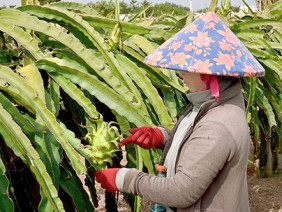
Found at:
[211, 164]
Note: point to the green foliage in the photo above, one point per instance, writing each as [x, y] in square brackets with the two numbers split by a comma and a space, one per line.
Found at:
[21, 145]
[6, 204]
[37, 2]
[168, 8]
[262, 36]
[133, 6]
[69, 71]
[103, 7]
[107, 7]
[42, 2]
[79, 64]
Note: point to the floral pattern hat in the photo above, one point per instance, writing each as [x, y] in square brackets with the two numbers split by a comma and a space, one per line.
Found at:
[206, 46]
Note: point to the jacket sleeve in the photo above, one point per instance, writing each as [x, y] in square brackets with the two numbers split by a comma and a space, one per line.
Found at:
[202, 157]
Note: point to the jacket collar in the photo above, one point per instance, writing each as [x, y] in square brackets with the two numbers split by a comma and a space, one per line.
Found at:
[227, 88]
[232, 90]
[198, 98]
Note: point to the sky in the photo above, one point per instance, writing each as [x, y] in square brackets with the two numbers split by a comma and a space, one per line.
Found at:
[197, 4]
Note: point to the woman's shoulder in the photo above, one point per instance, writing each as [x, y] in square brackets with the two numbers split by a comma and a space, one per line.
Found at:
[225, 119]
[226, 114]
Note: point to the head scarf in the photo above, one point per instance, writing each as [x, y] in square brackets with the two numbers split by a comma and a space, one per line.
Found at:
[211, 82]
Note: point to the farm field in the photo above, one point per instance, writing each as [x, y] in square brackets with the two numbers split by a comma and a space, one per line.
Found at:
[73, 81]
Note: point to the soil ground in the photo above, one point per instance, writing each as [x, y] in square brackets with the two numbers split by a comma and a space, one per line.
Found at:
[265, 194]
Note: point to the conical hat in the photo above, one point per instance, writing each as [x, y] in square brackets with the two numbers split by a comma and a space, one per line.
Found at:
[206, 46]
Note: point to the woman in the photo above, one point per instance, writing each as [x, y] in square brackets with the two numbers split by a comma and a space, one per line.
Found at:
[206, 153]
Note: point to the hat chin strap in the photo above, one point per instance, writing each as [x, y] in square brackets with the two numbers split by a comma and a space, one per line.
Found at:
[211, 82]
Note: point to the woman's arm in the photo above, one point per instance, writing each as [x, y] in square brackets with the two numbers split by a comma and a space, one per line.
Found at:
[204, 154]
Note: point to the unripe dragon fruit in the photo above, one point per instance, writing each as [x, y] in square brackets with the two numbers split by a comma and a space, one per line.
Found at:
[103, 141]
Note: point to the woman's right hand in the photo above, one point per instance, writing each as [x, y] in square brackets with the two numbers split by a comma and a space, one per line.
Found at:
[145, 137]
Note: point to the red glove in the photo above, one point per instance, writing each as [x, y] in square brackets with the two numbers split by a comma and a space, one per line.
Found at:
[145, 137]
[107, 178]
